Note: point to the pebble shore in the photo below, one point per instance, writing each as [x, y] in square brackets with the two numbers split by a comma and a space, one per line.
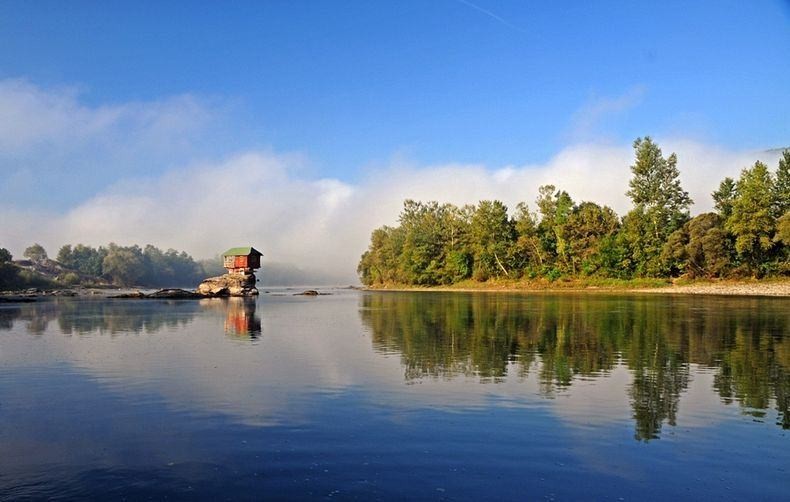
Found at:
[725, 288]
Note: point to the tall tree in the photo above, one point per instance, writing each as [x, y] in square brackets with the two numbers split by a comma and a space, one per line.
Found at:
[782, 185]
[656, 182]
[661, 204]
[752, 222]
[528, 250]
[459, 260]
[555, 206]
[492, 236]
[424, 245]
[724, 196]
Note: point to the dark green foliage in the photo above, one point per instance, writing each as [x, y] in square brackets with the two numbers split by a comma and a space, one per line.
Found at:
[701, 248]
[5, 255]
[84, 259]
[444, 244]
[9, 275]
[581, 235]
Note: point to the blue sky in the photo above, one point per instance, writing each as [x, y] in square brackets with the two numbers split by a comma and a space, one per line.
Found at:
[354, 82]
[351, 86]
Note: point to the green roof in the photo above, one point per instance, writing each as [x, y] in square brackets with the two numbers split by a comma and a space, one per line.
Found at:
[242, 252]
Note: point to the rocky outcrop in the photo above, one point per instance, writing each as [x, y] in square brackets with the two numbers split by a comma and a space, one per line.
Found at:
[229, 285]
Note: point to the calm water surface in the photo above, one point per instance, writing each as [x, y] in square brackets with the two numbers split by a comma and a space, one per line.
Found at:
[397, 395]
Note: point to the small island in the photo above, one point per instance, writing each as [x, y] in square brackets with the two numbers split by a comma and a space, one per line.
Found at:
[241, 263]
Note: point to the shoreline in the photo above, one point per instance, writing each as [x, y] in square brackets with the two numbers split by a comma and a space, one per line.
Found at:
[778, 288]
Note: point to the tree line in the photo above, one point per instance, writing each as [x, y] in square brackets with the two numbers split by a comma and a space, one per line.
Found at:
[747, 235]
[114, 264]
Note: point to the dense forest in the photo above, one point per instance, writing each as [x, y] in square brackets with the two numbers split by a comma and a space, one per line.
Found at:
[113, 264]
[748, 235]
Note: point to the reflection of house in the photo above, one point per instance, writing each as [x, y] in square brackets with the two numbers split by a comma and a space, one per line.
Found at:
[240, 320]
[242, 260]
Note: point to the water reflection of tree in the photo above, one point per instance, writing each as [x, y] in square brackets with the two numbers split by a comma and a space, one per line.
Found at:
[443, 335]
[84, 317]
[124, 316]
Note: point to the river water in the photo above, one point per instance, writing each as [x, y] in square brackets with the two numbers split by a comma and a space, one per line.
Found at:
[435, 396]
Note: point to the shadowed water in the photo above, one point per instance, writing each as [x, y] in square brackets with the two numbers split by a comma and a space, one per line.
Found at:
[397, 395]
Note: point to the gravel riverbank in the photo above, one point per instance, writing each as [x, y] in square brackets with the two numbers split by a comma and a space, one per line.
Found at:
[778, 288]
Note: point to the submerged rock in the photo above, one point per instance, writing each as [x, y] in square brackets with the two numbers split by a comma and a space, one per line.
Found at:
[229, 285]
[162, 293]
[311, 292]
[175, 293]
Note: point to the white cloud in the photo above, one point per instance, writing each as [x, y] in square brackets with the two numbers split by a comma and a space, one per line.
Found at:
[34, 117]
[587, 120]
[55, 149]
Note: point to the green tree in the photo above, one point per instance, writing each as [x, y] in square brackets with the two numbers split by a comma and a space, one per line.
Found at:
[661, 205]
[36, 252]
[380, 263]
[422, 258]
[555, 206]
[782, 238]
[9, 274]
[492, 236]
[582, 234]
[724, 196]
[752, 222]
[782, 185]
[700, 248]
[528, 249]
[84, 259]
[456, 224]
[124, 266]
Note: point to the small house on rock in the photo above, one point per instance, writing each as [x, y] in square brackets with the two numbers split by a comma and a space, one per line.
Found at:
[241, 260]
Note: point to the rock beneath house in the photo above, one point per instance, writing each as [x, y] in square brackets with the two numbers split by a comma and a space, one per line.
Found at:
[229, 285]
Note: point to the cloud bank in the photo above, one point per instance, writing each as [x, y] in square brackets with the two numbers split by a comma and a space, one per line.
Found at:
[262, 198]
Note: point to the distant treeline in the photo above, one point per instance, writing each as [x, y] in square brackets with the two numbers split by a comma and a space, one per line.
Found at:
[113, 264]
[748, 235]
